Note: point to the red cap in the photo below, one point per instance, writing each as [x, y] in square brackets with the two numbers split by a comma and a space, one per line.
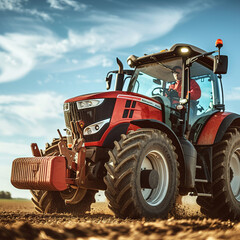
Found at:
[219, 43]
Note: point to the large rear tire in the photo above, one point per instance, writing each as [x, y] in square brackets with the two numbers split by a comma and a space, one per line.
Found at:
[53, 201]
[225, 203]
[145, 150]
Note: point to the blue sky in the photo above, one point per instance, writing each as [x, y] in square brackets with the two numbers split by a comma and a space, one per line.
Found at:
[51, 50]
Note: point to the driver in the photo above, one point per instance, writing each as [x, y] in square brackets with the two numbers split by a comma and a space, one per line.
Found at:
[195, 90]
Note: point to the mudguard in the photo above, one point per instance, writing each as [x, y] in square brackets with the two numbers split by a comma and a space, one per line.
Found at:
[216, 126]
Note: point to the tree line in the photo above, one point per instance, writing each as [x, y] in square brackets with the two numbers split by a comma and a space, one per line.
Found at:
[5, 195]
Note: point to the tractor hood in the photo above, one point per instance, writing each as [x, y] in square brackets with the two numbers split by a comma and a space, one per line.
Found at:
[103, 95]
[92, 96]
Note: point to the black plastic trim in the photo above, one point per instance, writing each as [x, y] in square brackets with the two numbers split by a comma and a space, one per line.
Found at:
[97, 136]
[115, 135]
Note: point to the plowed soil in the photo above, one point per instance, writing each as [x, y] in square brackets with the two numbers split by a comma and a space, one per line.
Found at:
[18, 220]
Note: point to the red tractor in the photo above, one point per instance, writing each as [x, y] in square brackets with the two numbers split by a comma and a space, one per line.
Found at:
[145, 143]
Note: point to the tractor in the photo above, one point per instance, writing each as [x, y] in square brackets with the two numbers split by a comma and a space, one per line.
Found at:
[144, 143]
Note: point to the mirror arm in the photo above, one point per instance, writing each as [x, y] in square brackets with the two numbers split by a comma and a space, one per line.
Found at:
[194, 59]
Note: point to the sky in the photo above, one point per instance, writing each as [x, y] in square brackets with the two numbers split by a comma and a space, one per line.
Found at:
[52, 50]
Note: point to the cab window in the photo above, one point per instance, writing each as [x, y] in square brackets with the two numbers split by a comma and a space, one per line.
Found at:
[206, 80]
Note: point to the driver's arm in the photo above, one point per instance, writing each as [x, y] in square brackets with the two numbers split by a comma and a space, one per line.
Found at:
[195, 90]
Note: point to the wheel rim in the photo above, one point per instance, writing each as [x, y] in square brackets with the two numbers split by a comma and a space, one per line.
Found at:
[155, 160]
[69, 195]
[235, 174]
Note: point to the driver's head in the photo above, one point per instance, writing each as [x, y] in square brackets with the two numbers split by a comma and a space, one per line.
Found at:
[177, 73]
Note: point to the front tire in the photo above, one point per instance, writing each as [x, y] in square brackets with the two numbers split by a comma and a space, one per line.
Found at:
[225, 203]
[54, 201]
[145, 150]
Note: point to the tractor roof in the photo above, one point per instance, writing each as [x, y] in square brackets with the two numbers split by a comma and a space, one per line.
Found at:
[173, 52]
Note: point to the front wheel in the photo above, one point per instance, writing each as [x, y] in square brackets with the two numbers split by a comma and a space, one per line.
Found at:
[142, 175]
[54, 201]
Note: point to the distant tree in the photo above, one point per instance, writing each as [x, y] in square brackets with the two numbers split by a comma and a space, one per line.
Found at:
[5, 195]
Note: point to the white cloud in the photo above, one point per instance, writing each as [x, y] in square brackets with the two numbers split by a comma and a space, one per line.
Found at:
[11, 148]
[18, 6]
[16, 61]
[12, 5]
[64, 4]
[30, 114]
[93, 61]
[232, 94]
[23, 52]
[120, 32]
[36, 13]
[74, 61]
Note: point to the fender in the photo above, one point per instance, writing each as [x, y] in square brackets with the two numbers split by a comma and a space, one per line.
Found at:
[115, 134]
[151, 123]
[216, 126]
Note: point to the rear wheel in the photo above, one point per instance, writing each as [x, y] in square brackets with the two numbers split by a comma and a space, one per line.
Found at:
[225, 203]
[53, 201]
[142, 175]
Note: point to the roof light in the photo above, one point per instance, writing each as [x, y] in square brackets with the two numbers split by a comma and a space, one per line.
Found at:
[184, 50]
[131, 60]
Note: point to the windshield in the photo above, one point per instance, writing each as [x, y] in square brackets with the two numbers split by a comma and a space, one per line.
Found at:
[154, 79]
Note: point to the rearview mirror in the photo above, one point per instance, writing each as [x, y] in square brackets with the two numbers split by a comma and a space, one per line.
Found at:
[220, 64]
[108, 81]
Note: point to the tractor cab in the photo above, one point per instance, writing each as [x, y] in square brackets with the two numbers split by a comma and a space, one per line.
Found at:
[199, 88]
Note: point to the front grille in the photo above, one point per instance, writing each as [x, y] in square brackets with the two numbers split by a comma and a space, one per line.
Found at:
[88, 116]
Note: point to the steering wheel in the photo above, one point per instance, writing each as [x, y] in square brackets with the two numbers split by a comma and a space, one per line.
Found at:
[160, 91]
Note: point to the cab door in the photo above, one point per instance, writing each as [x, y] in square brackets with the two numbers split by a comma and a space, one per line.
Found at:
[203, 107]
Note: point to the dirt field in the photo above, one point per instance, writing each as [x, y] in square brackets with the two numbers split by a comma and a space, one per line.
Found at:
[19, 221]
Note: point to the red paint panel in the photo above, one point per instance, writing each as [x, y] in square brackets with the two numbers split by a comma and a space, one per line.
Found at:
[141, 111]
[39, 173]
[210, 130]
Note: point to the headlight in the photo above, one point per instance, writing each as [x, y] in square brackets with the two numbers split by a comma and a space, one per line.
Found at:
[89, 103]
[95, 127]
